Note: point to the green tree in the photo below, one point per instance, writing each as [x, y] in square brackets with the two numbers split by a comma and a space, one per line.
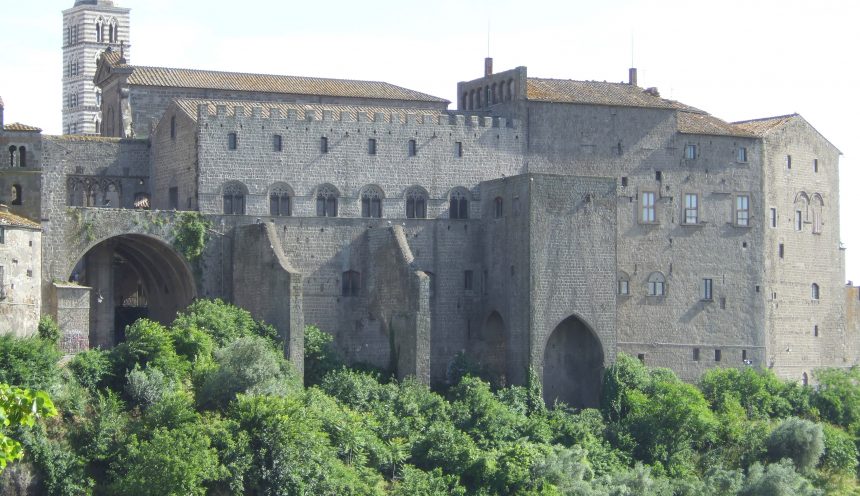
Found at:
[800, 440]
[28, 362]
[320, 357]
[778, 479]
[222, 321]
[48, 330]
[19, 407]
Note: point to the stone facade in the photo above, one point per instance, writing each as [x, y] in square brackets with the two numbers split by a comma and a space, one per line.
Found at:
[20, 274]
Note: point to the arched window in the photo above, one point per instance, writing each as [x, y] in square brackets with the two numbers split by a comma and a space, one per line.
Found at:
[499, 207]
[656, 284]
[371, 202]
[327, 201]
[113, 33]
[92, 194]
[817, 207]
[22, 157]
[279, 201]
[510, 89]
[17, 195]
[815, 291]
[350, 283]
[466, 100]
[495, 98]
[234, 199]
[502, 95]
[459, 204]
[478, 98]
[13, 151]
[623, 286]
[111, 197]
[75, 190]
[99, 30]
[416, 203]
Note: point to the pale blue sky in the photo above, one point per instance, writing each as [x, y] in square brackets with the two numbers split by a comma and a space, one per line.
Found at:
[735, 59]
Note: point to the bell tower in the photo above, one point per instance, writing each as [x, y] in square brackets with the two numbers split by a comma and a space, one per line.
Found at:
[89, 27]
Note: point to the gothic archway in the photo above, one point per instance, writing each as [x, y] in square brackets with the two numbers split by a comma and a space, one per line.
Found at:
[132, 276]
[573, 365]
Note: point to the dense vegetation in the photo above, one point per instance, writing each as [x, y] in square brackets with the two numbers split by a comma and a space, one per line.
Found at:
[210, 406]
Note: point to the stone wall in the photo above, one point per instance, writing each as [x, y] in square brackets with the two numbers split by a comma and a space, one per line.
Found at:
[20, 276]
[26, 178]
[70, 306]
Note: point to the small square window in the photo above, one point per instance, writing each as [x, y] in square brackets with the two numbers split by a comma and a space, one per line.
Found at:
[371, 146]
[718, 355]
[323, 145]
[623, 287]
[458, 149]
[641, 357]
[624, 181]
[30, 274]
[691, 152]
[277, 143]
[695, 354]
[742, 155]
[412, 149]
[232, 141]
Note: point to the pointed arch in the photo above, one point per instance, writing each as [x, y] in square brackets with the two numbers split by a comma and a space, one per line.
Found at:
[572, 364]
[416, 202]
[458, 202]
[327, 198]
[233, 194]
[371, 201]
[280, 200]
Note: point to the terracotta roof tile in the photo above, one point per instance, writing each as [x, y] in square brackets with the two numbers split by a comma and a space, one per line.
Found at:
[190, 106]
[295, 85]
[9, 219]
[760, 127]
[696, 123]
[17, 126]
[598, 93]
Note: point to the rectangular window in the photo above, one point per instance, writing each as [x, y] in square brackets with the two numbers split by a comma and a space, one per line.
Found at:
[647, 207]
[624, 181]
[691, 208]
[718, 355]
[788, 162]
[172, 126]
[707, 289]
[468, 280]
[798, 220]
[623, 287]
[641, 357]
[781, 250]
[232, 141]
[323, 145]
[815, 165]
[772, 217]
[413, 148]
[742, 155]
[173, 198]
[658, 175]
[695, 354]
[744, 355]
[2, 235]
[371, 146]
[691, 152]
[815, 331]
[277, 143]
[458, 149]
[742, 210]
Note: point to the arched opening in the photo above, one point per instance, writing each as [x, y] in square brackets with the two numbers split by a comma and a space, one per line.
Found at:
[132, 276]
[572, 365]
[487, 347]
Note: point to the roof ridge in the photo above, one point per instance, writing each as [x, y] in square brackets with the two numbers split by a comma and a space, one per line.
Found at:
[762, 119]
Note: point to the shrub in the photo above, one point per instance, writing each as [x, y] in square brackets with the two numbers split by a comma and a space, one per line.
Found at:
[146, 386]
[149, 343]
[247, 365]
[48, 330]
[800, 440]
[320, 357]
[92, 369]
[840, 452]
[778, 479]
[28, 362]
[223, 322]
[433, 483]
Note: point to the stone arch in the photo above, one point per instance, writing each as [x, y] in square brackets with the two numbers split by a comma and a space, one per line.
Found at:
[416, 202]
[234, 194]
[816, 204]
[371, 197]
[573, 364]
[327, 197]
[132, 276]
[458, 201]
[488, 348]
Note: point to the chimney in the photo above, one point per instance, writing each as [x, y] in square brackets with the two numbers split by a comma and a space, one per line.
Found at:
[488, 66]
[633, 80]
[1, 116]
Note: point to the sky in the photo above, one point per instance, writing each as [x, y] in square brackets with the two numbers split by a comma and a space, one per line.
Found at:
[736, 59]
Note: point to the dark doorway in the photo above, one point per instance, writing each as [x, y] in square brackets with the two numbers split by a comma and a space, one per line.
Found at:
[573, 365]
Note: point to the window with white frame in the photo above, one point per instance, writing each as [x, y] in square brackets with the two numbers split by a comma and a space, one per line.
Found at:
[742, 154]
[623, 284]
[656, 284]
[798, 220]
[691, 208]
[647, 207]
[742, 210]
[707, 289]
[815, 291]
[691, 152]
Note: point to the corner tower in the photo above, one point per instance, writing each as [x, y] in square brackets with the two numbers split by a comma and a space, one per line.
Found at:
[89, 27]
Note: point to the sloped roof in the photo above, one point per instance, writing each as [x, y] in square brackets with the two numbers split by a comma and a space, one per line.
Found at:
[760, 127]
[598, 93]
[190, 105]
[267, 83]
[701, 123]
[17, 126]
[12, 220]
